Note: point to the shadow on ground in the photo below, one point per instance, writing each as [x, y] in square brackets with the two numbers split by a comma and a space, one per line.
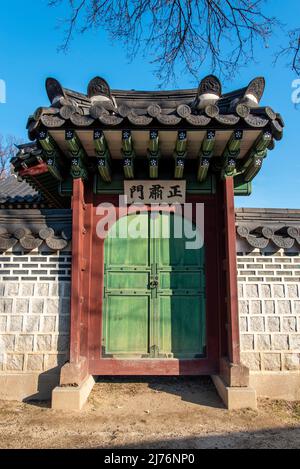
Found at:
[196, 390]
[284, 438]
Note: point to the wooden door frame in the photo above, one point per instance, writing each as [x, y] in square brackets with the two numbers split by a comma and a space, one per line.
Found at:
[117, 366]
[87, 292]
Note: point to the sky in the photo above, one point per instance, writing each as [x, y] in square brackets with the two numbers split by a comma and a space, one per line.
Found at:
[30, 36]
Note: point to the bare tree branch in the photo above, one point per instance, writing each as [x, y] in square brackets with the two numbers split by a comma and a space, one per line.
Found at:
[292, 51]
[179, 33]
[7, 151]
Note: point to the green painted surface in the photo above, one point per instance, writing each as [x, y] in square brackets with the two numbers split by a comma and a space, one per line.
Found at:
[154, 292]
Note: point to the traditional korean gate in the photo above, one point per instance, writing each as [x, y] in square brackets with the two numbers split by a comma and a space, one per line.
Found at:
[154, 291]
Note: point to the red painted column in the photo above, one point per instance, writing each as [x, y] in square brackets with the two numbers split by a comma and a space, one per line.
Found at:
[231, 273]
[78, 230]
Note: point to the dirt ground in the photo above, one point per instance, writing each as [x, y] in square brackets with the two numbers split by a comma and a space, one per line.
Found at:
[167, 413]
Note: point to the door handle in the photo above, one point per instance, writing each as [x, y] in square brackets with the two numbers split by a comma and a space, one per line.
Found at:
[154, 283]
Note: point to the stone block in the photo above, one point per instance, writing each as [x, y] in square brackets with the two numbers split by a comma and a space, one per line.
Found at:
[289, 324]
[255, 307]
[72, 398]
[44, 343]
[64, 324]
[295, 342]
[240, 290]
[37, 306]
[42, 289]
[273, 324]
[292, 361]
[252, 291]
[235, 397]
[280, 342]
[12, 289]
[54, 360]
[283, 307]
[252, 360]
[243, 307]
[22, 305]
[48, 324]
[3, 323]
[263, 342]
[52, 306]
[54, 289]
[265, 291]
[6, 305]
[271, 361]
[292, 291]
[15, 324]
[32, 324]
[256, 324]
[14, 362]
[269, 307]
[64, 306]
[296, 307]
[7, 343]
[61, 343]
[27, 289]
[35, 362]
[243, 324]
[247, 342]
[24, 343]
[278, 291]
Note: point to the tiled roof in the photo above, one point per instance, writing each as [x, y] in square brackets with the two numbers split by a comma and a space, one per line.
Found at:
[13, 191]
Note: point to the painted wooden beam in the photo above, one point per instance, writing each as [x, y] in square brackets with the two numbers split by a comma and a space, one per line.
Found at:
[180, 154]
[153, 154]
[253, 163]
[77, 154]
[51, 155]
[128, 154]
[104, 158]
[231, 152]
[205, 155]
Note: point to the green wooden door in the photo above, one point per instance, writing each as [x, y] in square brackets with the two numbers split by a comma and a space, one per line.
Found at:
[154, 291]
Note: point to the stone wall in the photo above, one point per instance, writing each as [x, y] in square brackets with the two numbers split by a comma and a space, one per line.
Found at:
[34, 310]
[269, 308]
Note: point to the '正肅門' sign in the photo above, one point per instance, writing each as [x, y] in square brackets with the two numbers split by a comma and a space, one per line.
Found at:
[155, 192]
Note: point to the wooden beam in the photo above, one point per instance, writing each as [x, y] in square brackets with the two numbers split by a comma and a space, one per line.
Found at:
[231, 153]
[153, 154]
[51, 154]
[77, 154]
[180, 154]
[253, 163]
[205, 155]
[104, 159]
[128, 154]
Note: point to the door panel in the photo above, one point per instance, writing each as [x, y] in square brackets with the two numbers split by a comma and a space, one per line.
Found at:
[154, 295]
[127, 327]
[180, 330]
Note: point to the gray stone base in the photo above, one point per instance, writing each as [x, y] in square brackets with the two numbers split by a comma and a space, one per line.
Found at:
[27, 386]
[71, 397]
[235, 397]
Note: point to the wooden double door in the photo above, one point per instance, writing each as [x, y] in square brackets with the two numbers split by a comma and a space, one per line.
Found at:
[154, 290]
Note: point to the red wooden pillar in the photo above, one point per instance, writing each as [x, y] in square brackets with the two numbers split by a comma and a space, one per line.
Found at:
[232, 371]
[76, 370]
[231, 274]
